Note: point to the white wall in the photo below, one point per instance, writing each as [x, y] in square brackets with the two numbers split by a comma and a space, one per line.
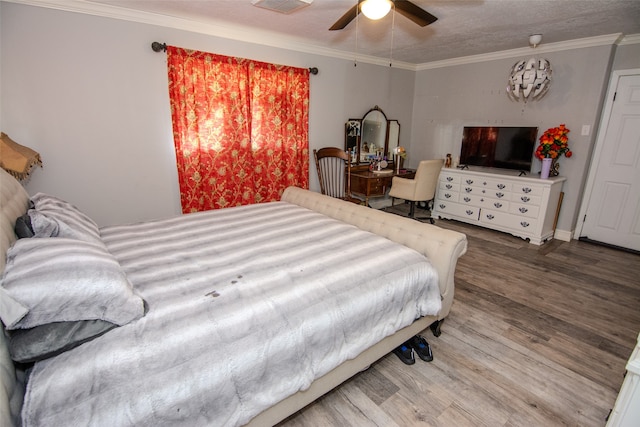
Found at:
[91, 96]
[449, 98]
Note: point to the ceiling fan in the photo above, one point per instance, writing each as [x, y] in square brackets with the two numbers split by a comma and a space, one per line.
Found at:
[404, 7]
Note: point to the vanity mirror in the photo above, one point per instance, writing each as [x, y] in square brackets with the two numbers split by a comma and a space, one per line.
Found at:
[371, 135]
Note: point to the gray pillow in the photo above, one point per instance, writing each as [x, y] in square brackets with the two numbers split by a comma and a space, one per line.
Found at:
[23, 227]
[44, 341]
[53, 217]
[61, 280]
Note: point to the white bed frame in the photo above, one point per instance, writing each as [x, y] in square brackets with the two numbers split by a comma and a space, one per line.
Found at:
[442, 247]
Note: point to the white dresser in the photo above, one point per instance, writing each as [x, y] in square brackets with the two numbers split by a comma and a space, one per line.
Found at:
[626, 412]
[501, 200]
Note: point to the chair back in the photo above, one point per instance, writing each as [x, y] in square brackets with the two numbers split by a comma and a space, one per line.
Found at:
[427, 179]
[334, 171]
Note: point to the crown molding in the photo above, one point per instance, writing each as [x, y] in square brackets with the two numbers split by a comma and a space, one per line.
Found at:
[630, 39]
[251, 35]
[209, 27]
[605, 40]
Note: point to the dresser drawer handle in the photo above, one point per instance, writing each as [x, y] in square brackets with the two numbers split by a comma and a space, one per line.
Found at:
[526, 190]
[497, 205]
[468, 189]
[490, 217]
[524, 224]
[501, 186]
[523, 210]
[500, 195]
[442, 206]
[525, 199]
[469, 181]
[447, 195]
[469, 212]
[467, 199]
[449, 186]
[449, 178]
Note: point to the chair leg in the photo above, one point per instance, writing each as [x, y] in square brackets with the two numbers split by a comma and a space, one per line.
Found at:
[428, 205]
[412, 209]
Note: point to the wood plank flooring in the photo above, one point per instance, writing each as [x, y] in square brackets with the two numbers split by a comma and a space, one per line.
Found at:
[537, 336]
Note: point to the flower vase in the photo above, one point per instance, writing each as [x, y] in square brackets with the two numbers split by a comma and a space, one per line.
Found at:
[546, 167]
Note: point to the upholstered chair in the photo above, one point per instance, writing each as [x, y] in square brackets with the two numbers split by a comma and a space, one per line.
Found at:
[422, 188]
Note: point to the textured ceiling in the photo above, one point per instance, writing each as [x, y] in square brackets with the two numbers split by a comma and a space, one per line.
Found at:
[464, 27]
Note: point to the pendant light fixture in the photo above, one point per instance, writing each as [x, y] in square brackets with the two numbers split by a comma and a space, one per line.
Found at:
[529, 79]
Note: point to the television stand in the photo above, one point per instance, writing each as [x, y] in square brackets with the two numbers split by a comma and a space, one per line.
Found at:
[497, 199]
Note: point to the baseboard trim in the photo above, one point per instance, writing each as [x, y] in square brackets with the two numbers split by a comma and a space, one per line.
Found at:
[563, 235]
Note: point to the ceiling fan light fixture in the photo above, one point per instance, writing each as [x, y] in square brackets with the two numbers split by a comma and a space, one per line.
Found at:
[375, 9]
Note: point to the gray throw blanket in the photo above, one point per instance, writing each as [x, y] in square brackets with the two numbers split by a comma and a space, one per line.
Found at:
[247, 306]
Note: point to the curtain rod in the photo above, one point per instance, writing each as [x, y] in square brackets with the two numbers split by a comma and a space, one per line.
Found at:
[162, 47]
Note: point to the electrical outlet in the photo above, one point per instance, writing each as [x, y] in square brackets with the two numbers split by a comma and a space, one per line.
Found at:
[585, 130]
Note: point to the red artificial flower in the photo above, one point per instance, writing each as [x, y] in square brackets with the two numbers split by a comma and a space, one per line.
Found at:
[554, 143]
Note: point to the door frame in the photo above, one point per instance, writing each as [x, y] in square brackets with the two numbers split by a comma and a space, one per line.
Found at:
[599, 145]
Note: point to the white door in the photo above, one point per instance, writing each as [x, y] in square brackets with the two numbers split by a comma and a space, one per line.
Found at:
[613, 211]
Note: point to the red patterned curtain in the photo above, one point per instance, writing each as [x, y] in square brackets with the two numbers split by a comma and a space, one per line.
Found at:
[240, 128]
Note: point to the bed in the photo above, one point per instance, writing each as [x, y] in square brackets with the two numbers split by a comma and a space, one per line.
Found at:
[232, 317]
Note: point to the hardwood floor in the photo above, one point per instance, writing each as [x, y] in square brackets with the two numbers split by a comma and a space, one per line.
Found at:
[537, 336]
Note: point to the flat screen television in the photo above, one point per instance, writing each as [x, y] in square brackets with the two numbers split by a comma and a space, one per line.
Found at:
[499, 147]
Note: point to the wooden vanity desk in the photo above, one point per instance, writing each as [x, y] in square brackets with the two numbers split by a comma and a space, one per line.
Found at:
[372, 137]
[371, 184]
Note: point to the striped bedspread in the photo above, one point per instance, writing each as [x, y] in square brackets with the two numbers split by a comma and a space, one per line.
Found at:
[246, 306]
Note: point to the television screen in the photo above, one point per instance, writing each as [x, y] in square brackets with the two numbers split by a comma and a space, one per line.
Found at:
[499, 147]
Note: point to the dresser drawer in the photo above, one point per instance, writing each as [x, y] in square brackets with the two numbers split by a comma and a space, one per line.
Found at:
[464, 211]
[449, 177]
[482, 201]
[530, 190]
[497, 194]
[496, 185]
[527, 210]
[449, 196]
[377, 186]
[505, 220]
[471, 180]
[449, 186]
[526, 199]
[468, 189]
[495, 204]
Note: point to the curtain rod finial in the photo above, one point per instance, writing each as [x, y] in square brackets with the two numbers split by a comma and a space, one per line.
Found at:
[157, 47]
[313, 70]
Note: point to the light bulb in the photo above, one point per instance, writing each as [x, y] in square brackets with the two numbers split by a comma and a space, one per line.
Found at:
[375, 9]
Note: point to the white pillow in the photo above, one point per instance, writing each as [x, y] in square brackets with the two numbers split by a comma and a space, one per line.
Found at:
[60, 279]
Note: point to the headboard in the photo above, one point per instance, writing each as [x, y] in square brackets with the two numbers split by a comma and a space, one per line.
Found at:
[14, 201]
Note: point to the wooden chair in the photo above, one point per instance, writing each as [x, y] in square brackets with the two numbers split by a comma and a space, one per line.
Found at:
[422, 188]
[334, 173]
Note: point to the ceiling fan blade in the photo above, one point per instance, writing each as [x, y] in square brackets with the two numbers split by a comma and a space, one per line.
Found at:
[346, 18]
[415, 13]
